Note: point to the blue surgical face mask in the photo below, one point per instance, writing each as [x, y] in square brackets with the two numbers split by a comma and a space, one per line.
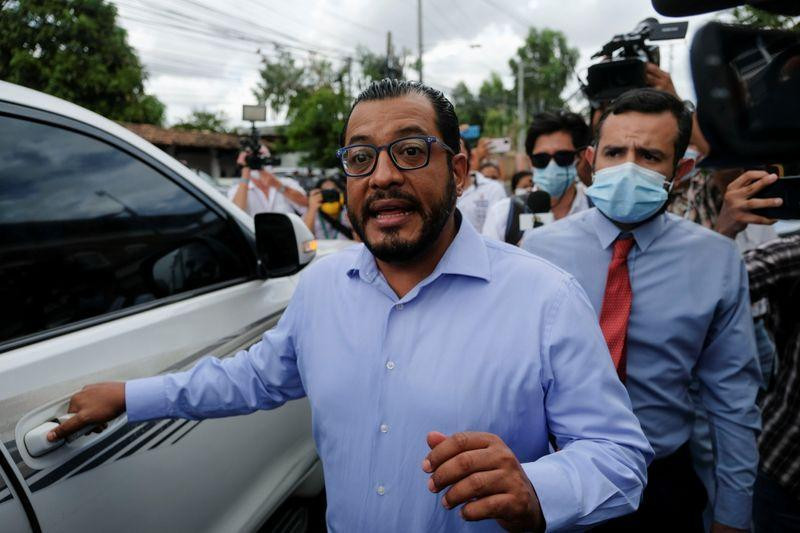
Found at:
[554, 179]
[628, 193]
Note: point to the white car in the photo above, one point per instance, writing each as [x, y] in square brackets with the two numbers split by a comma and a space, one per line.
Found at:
[118, 262]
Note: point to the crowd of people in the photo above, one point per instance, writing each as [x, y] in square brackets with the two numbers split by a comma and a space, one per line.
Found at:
[625, 357]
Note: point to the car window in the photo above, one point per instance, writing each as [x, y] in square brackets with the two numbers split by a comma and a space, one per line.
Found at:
[86, 229]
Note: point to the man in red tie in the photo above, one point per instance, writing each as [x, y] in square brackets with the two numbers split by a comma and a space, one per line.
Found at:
[672, 300]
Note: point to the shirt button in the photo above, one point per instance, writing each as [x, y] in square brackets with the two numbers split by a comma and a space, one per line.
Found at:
[399, 307]
[390, 365]
[381, 490]
[384, 428]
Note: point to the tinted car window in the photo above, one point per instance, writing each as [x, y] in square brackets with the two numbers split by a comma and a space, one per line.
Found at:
[86, 230]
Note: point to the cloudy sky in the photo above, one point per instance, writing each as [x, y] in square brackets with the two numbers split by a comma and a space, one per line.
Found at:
[202, 54]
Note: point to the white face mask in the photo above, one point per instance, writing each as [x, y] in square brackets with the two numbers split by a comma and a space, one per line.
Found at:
[520, 191]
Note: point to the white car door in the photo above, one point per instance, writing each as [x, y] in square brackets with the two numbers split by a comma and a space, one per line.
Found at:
[16, 511]
[113, 268]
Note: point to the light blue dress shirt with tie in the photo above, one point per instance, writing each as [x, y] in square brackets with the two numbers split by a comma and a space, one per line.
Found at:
[690, 318]
[493, 340]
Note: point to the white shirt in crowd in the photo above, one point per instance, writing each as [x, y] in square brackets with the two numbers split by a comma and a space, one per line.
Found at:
[275, 202]
[497, 217]
[475, 200]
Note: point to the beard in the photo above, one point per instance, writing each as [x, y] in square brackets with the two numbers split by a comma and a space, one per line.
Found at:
[393, 248]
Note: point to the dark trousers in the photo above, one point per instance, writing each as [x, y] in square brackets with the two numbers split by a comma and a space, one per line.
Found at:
[673, 500]
[775, 510]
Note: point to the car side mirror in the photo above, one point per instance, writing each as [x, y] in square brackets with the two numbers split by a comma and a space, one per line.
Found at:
[284, 245]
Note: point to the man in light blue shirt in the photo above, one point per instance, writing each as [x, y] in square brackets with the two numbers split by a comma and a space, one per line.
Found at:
[431, 410]
[689, 315]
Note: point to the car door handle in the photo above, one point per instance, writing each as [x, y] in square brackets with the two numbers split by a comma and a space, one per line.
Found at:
[36, 439]
[31, 431]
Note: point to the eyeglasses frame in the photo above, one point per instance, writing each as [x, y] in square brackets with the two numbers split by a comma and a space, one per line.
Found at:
[429, 139]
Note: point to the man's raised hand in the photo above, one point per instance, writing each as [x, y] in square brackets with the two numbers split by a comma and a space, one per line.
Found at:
[483, 474]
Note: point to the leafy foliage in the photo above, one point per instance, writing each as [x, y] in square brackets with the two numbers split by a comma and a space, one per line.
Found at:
[204, 121]
[74, 49]
[316, 97]
[315, 122]
[547, 62]
[751, 16]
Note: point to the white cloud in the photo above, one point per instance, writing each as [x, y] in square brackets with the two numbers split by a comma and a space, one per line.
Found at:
[189, 72]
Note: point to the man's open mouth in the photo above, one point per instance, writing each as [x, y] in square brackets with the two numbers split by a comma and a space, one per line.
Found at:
[391, 212]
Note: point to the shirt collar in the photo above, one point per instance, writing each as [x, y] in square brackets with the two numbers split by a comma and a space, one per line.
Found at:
[644, 235]
[466, 256]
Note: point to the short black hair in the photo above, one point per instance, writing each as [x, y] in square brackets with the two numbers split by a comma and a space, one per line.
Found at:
[333, 179]
[489, 164]
[446, 118]
[553, 121]
[515, 179]
[653, 101]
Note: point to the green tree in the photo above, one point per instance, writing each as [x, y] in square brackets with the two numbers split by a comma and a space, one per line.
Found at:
[497, 101]
[204, 121]
[315, 122]
[282, 79]
[468, 108]
[751, 16]
[548, 61]
[74, 49]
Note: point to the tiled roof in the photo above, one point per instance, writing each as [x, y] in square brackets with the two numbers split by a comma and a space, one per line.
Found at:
[173, 137]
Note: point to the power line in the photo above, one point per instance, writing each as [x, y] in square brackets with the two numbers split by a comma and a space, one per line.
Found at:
[506, 11]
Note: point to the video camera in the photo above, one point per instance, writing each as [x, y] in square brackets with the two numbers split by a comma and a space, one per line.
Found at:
[256, 160]
[747, 82]
[625, 57]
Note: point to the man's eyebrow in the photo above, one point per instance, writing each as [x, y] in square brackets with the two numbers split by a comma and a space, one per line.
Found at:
[614, 147]
[402, 132]
[410, 130]
[358, 139]
[651, 151]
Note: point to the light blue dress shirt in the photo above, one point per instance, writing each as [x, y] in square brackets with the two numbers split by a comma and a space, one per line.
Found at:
[493, 340]
[690, 317]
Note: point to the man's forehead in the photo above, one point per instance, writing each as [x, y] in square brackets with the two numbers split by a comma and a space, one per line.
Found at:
[655, 128]
[381, 119]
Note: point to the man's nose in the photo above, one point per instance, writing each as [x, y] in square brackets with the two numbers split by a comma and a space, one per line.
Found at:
[385, 173]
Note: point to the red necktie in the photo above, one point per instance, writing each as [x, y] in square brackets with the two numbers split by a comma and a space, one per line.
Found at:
[617, 305]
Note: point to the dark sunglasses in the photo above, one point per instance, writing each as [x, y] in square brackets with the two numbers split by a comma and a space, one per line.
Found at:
[564, 158]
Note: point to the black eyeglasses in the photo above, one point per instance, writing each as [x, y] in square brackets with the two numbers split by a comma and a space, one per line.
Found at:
[408, 153]
[564, 158]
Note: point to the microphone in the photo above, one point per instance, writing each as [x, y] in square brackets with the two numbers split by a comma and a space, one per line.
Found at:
[538, 202]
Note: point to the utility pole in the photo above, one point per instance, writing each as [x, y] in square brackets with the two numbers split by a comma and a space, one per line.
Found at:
[419, 38]
[520, 107]
[391, 70]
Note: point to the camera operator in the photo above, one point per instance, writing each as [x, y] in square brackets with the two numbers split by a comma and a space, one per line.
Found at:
[326, 216]
[260, 191]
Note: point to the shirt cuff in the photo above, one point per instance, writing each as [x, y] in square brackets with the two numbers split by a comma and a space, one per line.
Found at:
[733, 508]
[557, 497]
[146, 399]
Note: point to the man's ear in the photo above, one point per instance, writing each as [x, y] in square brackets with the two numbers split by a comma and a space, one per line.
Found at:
[460, 171]
[684, 167]
[588, 156]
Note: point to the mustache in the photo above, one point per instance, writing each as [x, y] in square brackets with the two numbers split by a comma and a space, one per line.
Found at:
[390, 194]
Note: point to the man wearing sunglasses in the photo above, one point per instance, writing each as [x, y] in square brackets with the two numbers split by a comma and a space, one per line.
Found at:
[431, 411]
[555, 144]
[673, 303]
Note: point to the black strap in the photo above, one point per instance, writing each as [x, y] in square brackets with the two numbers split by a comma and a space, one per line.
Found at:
[515, 208]
[338, 226]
